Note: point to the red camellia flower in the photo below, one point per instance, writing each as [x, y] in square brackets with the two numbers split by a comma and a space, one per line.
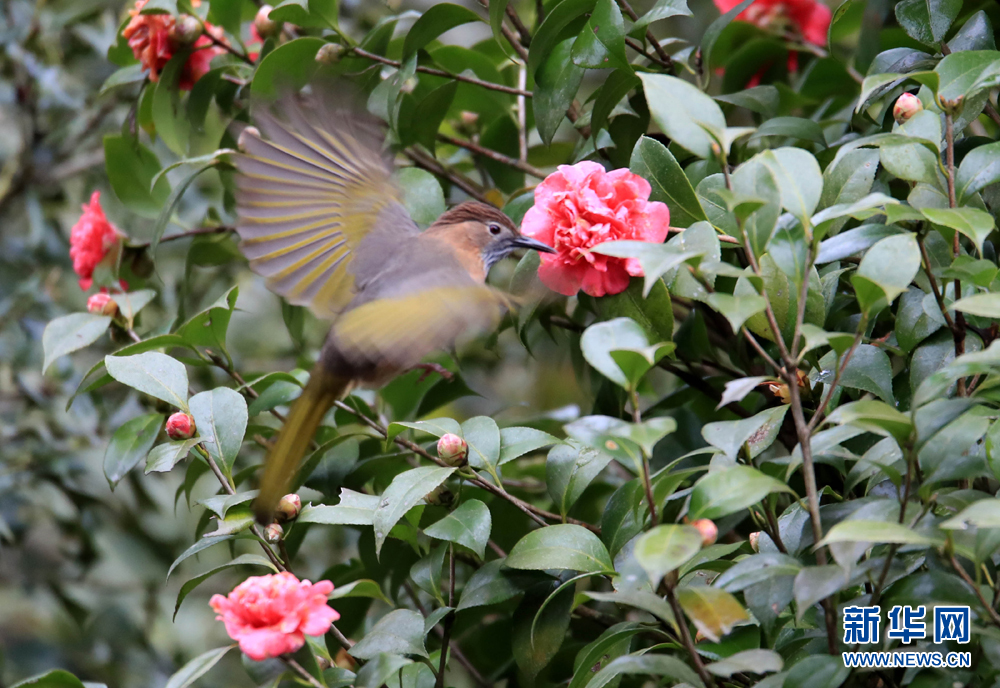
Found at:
[271, 615]
[91, 238]
[810, 18]
[579, 206]
[154, 38]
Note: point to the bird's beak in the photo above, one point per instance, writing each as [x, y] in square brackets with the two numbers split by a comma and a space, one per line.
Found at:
[525, 242]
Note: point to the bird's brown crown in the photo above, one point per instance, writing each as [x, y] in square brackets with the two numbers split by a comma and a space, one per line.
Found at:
[475, 211]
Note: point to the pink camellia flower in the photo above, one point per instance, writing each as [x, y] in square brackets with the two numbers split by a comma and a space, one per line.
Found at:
[180, 426]
[101, 304]
[907, 105]
[91, 238]
[154, 38]
[271, 615]
[579, 206]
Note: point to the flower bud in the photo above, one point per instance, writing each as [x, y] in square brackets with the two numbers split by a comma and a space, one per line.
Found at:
[180, 426]
[439, 496]
[780, 390]
[453, 450]
[755, 541]
[101, 304]
[907, 105]
[185, 31]
[273, 533]
[468, 119]
[247, 132]
[410, 85]
[266, 27]
[330, 54]
[289, 507]
[709, 532]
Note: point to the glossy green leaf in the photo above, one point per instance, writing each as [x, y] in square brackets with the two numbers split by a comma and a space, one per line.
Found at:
[886, 271]
[220, 418]
[129, 445]
[974, 223]
[727, 490]
[714, 612]
[71, 332]
[469, 525]
[927, 21]
[556, 84]
[684, 113]
[569, 469]
[400, 632]
[433, 22]
[197, 667]
[601, 43]
[563, 546]
[131, 168]
[152, 373]
[647, 664]
[164, 457]
[654, 162]
[404, 492]
[666, 548]
[242, 560]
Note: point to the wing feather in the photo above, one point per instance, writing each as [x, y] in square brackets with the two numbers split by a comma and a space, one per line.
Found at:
[308, 193]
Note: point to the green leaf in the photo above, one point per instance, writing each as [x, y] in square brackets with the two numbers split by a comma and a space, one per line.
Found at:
[563, 546]
[715, 30]
[755, 433]
[131, 303]
[498, 10]
[400, 632]
[516, 442]
[163, 219]
[817, 671]
[853, 242]
[70, 333]
[556, 84]
[126, 76]
[131, 168]
[607, 98]
[759, 661]
[972, 222]
[483, 437]
[984, 513]
[197, 667]
[220, 417]
[404, 492]
[737, 309]
[492, 583]
[684, 113]
[612, 643]
[964, 74]
[291, 65]
[360, 588]
[569, 469]
[654, 162]
[152, 373]
[653, 312]
[647, 665]
[129, 445]
[848, 181]
[714, 612]
[539, 627]
[469, 525]
[662, 9]
[666, 548]
[927, 21]
[799, 180]
[875, 416]
[436, 427]
[763, 100]
[355, 509]
[870, 370]
[728, 490]
[601, 43]
[757, 569]
[859, 530]
[209, 327]
[435, 21]
[164, 457]
[980, 167]
[983, 305]
[886, 271]
[600, 340]
[550, 31]
[422, 194]
[640, 599]
[242, 560]
[56, 678]
[794, 127]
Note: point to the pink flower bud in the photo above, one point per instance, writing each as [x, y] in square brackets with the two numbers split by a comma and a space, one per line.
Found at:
[289, 507]
[180, 426]
[101, 304]
[907, 105]
[273, 533]
[185, 31]
[453, 450]
[469, 119]
[755, 541]
[266, 27]
[708, 531]
[330, 54]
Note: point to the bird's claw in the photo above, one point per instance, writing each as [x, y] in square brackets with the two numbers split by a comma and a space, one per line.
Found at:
[429, 368]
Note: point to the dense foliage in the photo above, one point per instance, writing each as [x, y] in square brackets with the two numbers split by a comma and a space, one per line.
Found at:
[682, 472]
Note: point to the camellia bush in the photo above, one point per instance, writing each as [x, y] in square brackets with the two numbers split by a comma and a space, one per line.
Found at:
[738, 426]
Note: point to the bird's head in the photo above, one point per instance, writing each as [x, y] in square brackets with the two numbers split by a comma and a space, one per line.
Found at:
[484, 231]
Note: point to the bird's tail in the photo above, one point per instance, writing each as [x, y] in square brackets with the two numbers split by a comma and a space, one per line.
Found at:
[323, 389]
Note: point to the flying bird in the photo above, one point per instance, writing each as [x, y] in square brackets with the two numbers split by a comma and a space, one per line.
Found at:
[321, 219]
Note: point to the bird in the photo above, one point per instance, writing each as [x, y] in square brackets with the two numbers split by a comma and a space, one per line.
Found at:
[320, 218]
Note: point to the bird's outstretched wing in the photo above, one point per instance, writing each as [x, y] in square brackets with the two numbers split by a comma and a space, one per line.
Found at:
[309, 191]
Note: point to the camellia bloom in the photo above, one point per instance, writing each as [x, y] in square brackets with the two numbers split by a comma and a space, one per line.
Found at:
[154, 38]
[810, 18]
[271, 615]
[91, 238]
[579, 206]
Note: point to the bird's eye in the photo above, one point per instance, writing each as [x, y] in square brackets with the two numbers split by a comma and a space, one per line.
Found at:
[495, 229]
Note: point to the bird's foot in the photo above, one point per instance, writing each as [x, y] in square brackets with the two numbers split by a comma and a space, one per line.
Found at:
[429, 368]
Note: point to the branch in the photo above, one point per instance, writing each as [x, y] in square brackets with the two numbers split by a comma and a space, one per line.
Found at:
[665, 59]
[520, 49]
[841, 365]
[492, 154]
[994, 616]
[201, 231]
[428, 163]
[360, 52]
[449, 620]
[686, 641]
[300, 670]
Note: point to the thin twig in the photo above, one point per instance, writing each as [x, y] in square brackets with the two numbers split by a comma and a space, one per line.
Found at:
[300, 670]
[772, 522]
[994, 616]
[706, 677]
[360, 52]
[492, 154]
[449, 620]
[201, 231]
[841, 365]
[627, 8]
[516, 44]
[431, 165]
